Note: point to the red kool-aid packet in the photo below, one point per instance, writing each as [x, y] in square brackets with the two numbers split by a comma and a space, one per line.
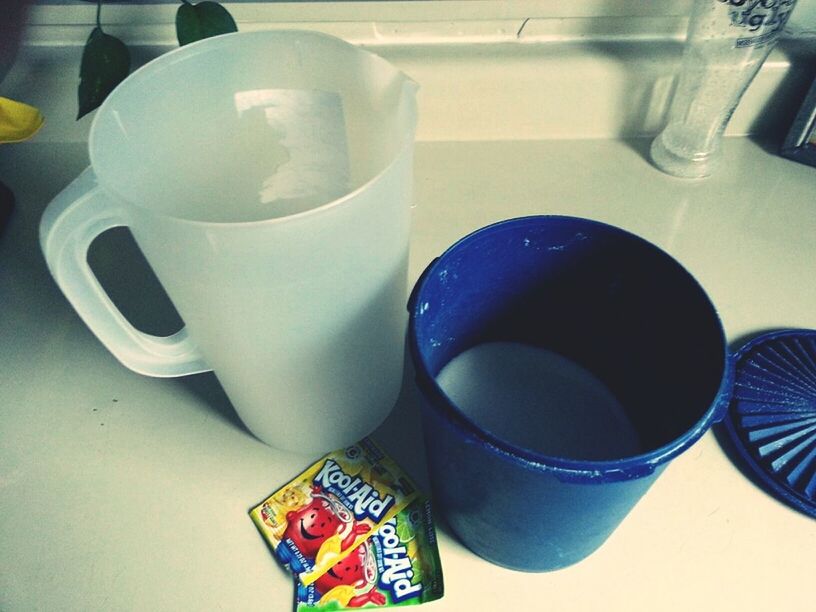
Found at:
[328, 511]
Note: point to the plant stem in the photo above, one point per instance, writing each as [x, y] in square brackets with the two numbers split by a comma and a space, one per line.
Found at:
[98, 14]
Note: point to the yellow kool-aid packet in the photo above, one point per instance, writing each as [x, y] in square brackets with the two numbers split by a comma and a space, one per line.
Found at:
[325, 513]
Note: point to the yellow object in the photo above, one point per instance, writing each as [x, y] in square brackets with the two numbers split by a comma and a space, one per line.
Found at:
[342, 594]
[329, 552]
[412, 548]
[18, 121]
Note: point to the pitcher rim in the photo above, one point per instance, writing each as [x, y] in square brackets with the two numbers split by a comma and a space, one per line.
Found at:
[169, 56]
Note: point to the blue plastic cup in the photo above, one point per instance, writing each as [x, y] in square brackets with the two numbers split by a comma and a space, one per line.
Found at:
[605, 299]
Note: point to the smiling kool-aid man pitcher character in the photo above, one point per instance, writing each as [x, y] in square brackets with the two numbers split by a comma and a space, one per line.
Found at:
[309, 527]
[351, 571]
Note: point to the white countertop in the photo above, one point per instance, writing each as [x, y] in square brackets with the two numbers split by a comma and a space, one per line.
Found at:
[121, 492]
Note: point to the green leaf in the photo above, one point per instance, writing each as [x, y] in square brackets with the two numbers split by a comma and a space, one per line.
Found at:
[197, 21]
[105, 63]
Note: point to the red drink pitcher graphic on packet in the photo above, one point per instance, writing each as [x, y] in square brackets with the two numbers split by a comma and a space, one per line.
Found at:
[328, 511]
[397, 566]
[325, 517]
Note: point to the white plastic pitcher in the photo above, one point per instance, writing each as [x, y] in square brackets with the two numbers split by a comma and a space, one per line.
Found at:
[267, 178]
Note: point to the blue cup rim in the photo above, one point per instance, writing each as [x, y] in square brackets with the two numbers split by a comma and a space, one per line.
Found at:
[568, 470]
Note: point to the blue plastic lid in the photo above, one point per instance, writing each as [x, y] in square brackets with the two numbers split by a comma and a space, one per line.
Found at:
[772, 417]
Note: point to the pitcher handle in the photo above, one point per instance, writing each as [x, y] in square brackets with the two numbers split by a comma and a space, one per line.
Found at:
[69, 224]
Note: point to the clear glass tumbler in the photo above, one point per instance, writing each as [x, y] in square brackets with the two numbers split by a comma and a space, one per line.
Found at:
[728, 40]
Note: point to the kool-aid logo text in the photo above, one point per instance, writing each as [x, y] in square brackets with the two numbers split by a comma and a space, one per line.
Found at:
[363, 499]
[396, 574]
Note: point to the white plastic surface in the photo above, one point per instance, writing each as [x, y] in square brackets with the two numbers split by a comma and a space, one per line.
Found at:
[71, 222]
[542, 395]
[272, 200]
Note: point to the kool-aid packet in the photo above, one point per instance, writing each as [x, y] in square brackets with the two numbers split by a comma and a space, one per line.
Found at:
[324, 514]
[398, 566]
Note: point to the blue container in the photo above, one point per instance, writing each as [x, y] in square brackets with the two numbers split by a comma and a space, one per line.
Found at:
[609, 301]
